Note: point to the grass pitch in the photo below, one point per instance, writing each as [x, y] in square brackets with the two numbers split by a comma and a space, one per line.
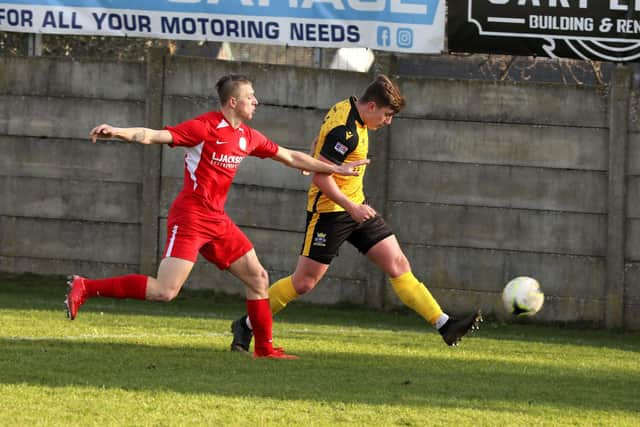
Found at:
[151, 364]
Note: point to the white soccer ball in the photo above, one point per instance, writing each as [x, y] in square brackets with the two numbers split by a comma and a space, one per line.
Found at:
[522, 296]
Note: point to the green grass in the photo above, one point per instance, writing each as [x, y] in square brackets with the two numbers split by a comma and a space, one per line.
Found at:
[139, 363]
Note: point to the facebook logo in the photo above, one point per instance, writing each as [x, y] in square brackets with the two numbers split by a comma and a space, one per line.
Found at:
[384, 36]
[404, 37]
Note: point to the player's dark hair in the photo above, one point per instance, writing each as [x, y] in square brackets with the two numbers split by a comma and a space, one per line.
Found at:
[227, 86]
[384, 93]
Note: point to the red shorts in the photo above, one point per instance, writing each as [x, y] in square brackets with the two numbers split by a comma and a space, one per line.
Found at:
[214, 236]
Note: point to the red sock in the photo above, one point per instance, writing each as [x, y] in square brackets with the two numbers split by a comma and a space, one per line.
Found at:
[129, 286]
[259, 312]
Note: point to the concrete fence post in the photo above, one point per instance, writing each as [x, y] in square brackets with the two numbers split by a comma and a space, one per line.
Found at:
[619, 104]
[376, 188]
[152, 162]
[377, 185]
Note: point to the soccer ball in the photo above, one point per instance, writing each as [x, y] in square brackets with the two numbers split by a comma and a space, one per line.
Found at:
[522, 296]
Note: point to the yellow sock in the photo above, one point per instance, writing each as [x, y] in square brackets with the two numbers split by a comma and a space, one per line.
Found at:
[281, 293]
[416, 296]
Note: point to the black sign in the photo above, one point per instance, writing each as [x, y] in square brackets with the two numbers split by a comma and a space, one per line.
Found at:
[604, 30]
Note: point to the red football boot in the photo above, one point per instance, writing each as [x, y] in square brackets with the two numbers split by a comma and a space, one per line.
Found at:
[276, 353]
[76, 297]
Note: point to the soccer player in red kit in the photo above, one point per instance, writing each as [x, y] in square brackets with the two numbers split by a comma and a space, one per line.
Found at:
[215, 144]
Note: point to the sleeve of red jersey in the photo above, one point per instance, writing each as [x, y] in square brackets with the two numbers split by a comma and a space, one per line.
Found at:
[263, 147]
[189, 133]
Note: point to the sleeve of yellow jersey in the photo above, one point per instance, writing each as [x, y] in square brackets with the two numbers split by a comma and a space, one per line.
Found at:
[337, 145]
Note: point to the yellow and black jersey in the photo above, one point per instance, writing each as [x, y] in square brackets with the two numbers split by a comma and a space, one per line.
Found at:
[343, 138]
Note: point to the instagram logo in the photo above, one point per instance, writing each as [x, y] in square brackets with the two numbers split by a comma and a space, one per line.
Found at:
[404, 37]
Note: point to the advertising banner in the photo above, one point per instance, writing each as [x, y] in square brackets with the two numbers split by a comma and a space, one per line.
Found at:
[604, 30]
[411, 26]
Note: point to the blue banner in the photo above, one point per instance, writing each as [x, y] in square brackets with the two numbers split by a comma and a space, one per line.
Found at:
[412, 26]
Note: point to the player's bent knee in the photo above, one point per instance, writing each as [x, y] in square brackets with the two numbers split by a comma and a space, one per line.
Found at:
[400, 265]
[261, 278]
[264, 276]
[305, 285]
[259, 281]
[167, 295]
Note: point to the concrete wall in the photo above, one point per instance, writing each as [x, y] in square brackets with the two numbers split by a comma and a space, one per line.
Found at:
[510, 180]
[631, 277]
[482, 181]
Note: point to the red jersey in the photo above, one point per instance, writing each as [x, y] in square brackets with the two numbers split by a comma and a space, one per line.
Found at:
[214, 150]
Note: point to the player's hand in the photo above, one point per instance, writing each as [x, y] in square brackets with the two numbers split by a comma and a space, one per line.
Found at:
[352, 168]
[361, 213]
[102, 131]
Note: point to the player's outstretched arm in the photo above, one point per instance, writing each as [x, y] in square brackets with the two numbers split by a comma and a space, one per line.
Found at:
[312, 148]
[302, 161]
[138, 135]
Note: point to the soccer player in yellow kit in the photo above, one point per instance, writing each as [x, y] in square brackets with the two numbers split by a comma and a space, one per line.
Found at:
[337, 212]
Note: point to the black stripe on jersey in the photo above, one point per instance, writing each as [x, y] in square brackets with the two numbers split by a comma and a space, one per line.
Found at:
[342, 140]
[354, 111]
[315, 202]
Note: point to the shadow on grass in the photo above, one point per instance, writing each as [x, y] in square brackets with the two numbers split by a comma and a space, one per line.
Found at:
[29, 291]
[440, 381]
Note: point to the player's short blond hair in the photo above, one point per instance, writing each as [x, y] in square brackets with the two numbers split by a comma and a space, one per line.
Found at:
[385, 93]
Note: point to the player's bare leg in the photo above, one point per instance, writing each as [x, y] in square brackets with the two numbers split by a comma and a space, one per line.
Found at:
[172, 273]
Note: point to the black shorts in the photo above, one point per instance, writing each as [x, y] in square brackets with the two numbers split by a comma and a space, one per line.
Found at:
[326, 232]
